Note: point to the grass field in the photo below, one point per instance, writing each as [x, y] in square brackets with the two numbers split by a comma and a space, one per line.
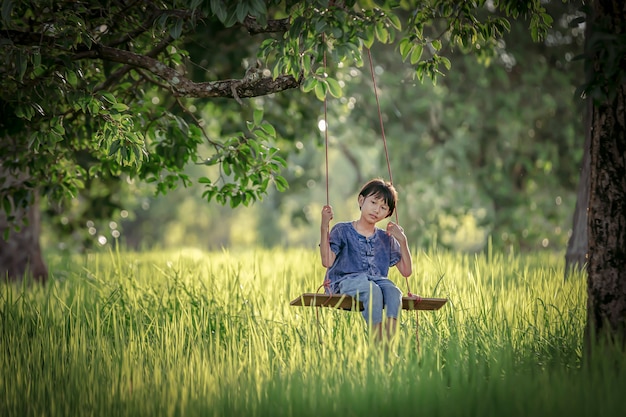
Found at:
[212, 334]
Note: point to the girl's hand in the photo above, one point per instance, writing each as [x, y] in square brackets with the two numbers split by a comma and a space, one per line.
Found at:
[396, 231]
[327, 214]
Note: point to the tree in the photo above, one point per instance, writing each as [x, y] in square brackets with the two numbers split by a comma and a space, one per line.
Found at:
[80, 84]
[605, 59]
[577, 245]
[76, 78]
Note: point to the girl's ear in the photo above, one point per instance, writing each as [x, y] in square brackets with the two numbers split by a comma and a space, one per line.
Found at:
[361, 200]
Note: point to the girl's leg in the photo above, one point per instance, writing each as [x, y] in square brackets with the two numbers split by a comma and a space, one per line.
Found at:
[362, 289]
[392, 300]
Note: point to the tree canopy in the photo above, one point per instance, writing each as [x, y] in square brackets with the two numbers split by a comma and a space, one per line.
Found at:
[76, 77]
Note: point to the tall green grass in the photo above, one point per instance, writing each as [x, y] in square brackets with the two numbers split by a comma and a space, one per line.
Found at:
[212, 334]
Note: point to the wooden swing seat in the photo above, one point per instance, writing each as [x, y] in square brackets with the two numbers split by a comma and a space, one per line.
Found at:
[345, 302]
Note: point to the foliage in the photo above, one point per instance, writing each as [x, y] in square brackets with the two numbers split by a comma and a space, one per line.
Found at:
[197, 333]
[91, 91]
[69, 120]
[471, 166]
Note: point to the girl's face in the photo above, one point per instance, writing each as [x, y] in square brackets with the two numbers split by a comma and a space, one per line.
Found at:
[373, 208]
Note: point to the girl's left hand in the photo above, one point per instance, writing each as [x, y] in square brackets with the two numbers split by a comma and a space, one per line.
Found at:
[396, 231]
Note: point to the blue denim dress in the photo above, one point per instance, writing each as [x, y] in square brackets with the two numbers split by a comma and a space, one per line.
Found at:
[357, 254]
[365, 259]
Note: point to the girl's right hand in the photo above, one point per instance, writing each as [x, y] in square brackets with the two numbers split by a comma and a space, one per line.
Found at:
[327, 214]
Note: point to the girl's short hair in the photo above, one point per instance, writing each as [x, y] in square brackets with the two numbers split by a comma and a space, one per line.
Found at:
[381, 189]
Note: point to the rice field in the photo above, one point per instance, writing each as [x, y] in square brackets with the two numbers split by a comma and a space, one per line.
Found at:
[194, 333]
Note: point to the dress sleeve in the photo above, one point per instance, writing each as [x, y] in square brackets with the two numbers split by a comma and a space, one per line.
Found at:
[336, 239]
[396, 254]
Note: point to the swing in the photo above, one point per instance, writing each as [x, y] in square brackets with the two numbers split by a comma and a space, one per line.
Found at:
[346, 302]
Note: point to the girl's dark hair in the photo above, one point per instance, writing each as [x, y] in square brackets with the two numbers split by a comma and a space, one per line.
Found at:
[381, 189]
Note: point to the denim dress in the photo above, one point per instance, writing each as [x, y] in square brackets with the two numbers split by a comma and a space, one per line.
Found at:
[358, 255]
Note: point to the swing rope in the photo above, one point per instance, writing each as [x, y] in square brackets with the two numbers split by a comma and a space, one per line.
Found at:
[380, 120]
[326, 283]
[382, 130]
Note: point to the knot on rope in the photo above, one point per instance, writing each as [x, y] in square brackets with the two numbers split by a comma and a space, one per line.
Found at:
[325, 285]
[415, 296]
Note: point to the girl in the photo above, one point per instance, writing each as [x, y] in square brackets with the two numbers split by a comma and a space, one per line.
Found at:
[358, 255]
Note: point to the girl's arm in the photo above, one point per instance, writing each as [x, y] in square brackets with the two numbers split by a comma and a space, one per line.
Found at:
[328, 256]
[405, 264]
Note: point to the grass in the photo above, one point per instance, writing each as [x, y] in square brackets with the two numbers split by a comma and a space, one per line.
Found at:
[212, 334]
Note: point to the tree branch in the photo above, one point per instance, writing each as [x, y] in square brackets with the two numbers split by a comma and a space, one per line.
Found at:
[180, 85]
[273, 26]
[119, 73]
[183, 87]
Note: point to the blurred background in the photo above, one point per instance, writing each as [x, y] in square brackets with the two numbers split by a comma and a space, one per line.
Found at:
[489, 154]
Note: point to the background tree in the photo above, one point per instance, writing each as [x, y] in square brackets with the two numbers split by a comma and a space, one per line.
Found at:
[605, 57]
[489, 148]
[82, 102]
[76, 78]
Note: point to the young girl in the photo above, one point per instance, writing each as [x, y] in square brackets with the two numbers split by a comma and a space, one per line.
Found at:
[358, 255]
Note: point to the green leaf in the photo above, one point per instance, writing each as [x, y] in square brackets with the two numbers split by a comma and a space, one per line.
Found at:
[395, 21]
[320, 26]
[258, 116]
[119, 107]
[231, 19]
[57, 126]
[258, 6]
[22, 64]
[446, 62]
[241, 11]
[280, 160]
[334, 88]
[416, 54]
[281, 183]
[381, 33]
[405, 48]
[309, 84]
[235, 200]
[320, 91]
[70, 77]
[115, 146]
[109, 97]
[177, 30]
[219, 9]
[336, 32]
[6, 203]
[7, 7]
[36, 59]
[370, 36]
[269, 129]
[296, 27]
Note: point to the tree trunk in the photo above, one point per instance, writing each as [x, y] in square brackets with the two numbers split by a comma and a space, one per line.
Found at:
[606, 283]
[577, 246]
[20, 254]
